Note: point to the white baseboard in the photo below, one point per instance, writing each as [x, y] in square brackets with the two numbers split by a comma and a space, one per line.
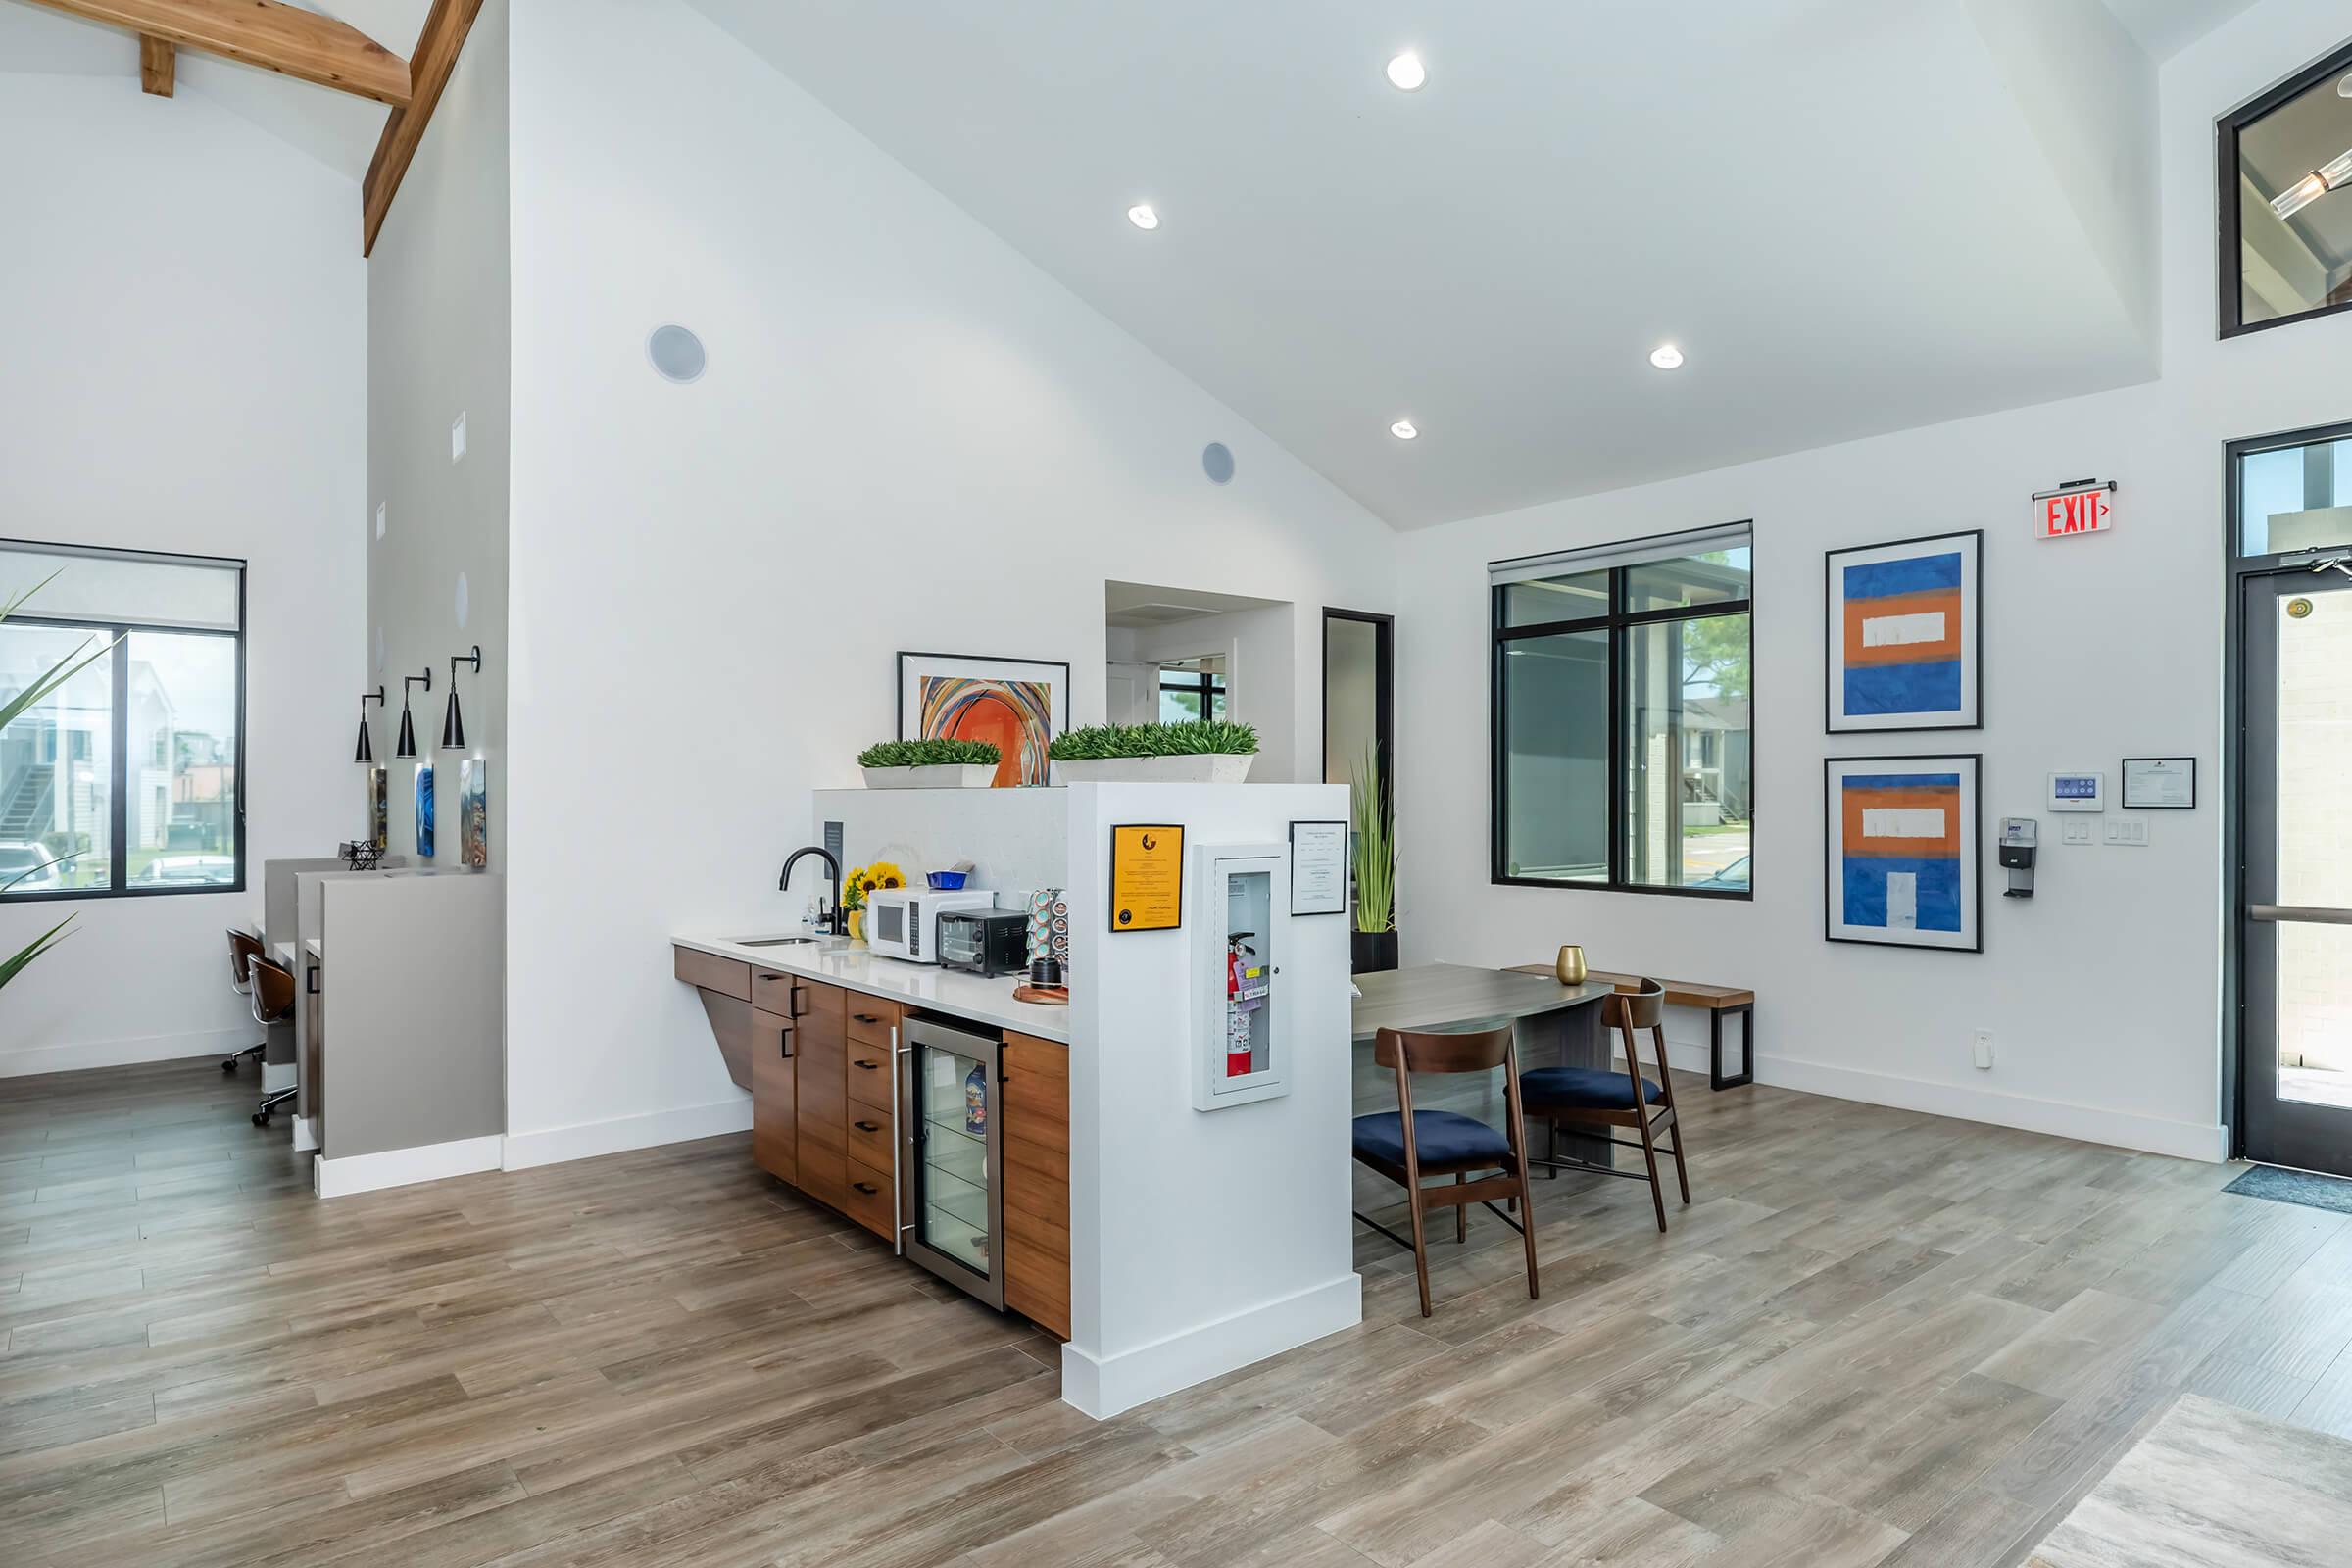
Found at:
[23, 1062]
[553, 1146]
[1104, 1387]
[2060, 1118]
[400, 1167]
[305, 1135]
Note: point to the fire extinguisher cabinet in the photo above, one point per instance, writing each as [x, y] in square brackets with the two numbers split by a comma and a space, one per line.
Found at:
[1241, 1035]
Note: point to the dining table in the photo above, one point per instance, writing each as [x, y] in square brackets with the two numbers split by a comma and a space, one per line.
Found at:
[1556, 1025]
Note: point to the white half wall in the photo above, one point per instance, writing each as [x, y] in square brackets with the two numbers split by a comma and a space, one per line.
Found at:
[2103, 991]
[908, 437]
[184, 309]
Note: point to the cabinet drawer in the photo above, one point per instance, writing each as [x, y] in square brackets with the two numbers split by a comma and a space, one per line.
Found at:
[869, 1199]
[775, 991]
[870, 1134]
[868, 1075]
[706, 973]
[870, 1019]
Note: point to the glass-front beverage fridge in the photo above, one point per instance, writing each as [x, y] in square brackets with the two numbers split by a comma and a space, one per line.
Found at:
[950, 1204]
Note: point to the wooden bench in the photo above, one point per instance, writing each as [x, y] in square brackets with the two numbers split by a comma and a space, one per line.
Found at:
[1717, 1002]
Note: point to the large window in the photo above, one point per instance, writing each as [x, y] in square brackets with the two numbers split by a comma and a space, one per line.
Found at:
[128, 778]
[1624, 751]
[2286, 215]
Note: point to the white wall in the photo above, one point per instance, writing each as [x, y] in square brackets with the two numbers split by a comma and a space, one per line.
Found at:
[2103, 991]
[437, 348]
[908, 438]
[184, 313]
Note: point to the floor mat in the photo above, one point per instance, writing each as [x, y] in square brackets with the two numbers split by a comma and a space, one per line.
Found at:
[2332, 1193]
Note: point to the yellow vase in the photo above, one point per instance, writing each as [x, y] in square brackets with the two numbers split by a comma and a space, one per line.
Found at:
[1570, 966]
[856, 925]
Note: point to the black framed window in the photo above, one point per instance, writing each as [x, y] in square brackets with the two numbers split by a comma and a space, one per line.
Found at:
[1191, 690]
[1623, 735]
[2285, 158]
[128, 778]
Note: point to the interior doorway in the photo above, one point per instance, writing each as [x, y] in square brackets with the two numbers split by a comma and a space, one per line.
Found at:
[1360, 694]
[2291, 612]
[1181, 654]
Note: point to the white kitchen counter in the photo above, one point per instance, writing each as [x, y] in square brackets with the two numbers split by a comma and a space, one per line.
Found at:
[836, 961]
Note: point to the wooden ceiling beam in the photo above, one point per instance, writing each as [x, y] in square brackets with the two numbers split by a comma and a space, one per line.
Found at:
[284, 38]
[158, 65]
[436, 56]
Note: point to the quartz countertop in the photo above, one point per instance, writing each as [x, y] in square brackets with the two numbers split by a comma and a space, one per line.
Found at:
[836, 961]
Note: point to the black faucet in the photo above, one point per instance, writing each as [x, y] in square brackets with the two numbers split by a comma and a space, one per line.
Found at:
[837, 923]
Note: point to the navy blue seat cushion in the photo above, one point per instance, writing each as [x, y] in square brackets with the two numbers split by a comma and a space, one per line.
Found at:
[1581, 1089]
[1439, 1138]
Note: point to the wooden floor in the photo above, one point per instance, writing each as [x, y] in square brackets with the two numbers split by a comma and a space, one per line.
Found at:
[1878, 1337]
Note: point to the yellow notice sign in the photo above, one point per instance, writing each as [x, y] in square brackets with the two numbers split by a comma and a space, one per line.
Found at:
[1147, 877]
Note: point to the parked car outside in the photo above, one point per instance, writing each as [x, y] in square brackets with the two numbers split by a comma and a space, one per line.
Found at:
[30, 863]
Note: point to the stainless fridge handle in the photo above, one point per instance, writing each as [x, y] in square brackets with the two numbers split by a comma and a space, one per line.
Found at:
[897, 1123]
[2297, 913]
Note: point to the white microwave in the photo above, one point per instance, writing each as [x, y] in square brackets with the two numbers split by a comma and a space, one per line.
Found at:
[903, 922]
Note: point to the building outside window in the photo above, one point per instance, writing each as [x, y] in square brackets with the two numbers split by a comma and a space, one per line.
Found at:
[128, 778]
[1623, 743]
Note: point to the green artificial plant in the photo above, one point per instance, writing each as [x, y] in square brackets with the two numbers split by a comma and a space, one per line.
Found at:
[1095, 743]
[929, 753]
[1375, 847]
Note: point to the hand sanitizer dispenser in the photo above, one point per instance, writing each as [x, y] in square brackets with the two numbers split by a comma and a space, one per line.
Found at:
[2018, 835]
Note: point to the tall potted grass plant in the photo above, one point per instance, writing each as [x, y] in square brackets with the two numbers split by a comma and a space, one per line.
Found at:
[1373, 942]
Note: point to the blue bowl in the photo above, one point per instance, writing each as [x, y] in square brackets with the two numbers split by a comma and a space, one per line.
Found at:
[945, 881]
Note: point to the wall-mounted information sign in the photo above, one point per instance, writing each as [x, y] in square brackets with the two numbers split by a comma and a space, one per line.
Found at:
[1147, 877]
[2083, 506]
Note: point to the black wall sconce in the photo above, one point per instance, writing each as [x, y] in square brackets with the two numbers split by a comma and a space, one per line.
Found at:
[453, 723]
[408, 730]
[367, 751]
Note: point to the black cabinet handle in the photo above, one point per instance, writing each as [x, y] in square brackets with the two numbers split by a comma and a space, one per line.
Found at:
[797, 1011]
[771, 977]
[865, 1017]
[867, 1126]
[313, 983]
[868, 1188]
[784, 1041]
[871, 1066]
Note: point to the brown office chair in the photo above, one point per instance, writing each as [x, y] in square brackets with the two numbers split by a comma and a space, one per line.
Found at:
[1585, 1097]
[241, 947]
[272, 992]
[1405, 1145]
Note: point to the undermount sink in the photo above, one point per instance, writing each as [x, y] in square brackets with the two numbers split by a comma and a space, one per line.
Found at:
[772, 941]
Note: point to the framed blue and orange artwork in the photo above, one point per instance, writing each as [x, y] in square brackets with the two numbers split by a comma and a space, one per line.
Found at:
[1905, 650]
[1018, 703]
[1905, 851]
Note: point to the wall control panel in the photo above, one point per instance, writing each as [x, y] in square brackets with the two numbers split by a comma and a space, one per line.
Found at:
[2077, 792]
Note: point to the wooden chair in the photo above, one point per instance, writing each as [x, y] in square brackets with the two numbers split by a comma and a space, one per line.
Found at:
[1406, 1145]
[274, 994]
[241, 946]
[1580, 1099]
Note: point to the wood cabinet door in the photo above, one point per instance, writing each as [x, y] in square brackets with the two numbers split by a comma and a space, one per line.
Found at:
[1036, 1109]
[775, 1113]
[820, 1051]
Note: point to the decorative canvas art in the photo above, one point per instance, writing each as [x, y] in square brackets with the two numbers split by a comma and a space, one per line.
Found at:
[1904, 854]
[425, 811]
[379, 807]
[1904, 643]
[1020, 705]
[474, 814]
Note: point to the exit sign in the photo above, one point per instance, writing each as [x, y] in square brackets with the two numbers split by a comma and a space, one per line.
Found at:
[2084, 507]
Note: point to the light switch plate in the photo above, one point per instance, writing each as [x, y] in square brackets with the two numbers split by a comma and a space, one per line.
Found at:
[2077, 831]
[2129, 831]
[457, 440]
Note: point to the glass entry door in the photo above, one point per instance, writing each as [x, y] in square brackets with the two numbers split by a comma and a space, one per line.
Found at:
[950, 1204]
[2297, 891]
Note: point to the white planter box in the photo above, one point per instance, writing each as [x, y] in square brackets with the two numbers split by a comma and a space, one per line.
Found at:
[940, 776]
[1200, 767]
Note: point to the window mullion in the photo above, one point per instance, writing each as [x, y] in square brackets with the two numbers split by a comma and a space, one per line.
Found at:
[119, 812]
[1617, 757]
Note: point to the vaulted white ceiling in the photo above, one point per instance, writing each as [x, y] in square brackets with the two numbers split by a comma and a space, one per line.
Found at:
[1851, 216]
[334, 128]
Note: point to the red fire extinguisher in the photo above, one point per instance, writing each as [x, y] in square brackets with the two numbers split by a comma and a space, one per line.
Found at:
[1240, 1038]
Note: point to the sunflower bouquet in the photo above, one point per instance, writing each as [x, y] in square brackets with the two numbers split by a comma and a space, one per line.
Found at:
[866, 879]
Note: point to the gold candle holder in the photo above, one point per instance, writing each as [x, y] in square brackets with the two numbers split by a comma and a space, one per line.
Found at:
[1570, 966]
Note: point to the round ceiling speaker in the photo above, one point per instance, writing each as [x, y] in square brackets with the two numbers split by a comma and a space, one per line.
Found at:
[677, 354]
[1216, 460]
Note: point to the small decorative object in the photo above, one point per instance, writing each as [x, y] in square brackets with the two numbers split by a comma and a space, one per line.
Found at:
[929, 764]
[380, 806]
[1147, 877]
[1905, 644]
[863, 880]
[1041, 928]
[1017, 704]
[1372, 945]
[1904, 865]
[474, 814]
[425, 811]
[975, 1101]
[1570, 966]
[1192, 751]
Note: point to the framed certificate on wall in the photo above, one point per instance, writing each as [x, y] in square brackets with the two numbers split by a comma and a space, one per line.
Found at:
[2160, 783]
[1147, 877]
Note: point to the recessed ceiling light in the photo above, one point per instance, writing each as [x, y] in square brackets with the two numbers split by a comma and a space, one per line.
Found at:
[1406, 73]
[1404, 430]
[1666, 357]
[1141, 216]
